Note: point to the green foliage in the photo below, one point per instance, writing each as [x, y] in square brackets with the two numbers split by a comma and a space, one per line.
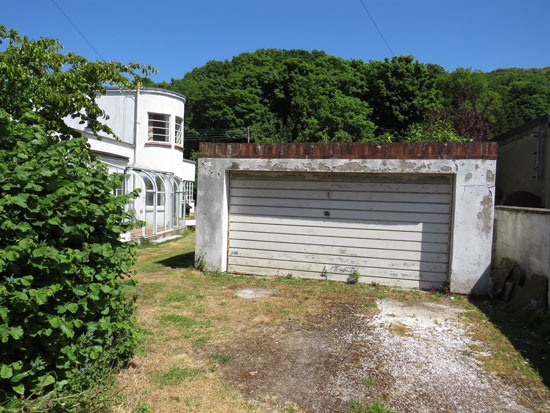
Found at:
[353, 277]
[281, 95]
[295, 95]
[525, 95]
[65, 311]
[400, 91]
[440, 131]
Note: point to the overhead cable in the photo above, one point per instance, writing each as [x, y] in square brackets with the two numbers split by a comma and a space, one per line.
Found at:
[77, 29]
[377, 28]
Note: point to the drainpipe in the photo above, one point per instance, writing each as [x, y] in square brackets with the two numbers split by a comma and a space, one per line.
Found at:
[136, 123]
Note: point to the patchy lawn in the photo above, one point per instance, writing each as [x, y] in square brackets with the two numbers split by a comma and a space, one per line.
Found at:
[319, 346]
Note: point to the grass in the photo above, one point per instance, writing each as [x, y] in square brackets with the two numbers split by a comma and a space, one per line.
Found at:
[519, 341]
[222, 358]
[188, 316]
[400, 329]
[177, 375]
[375, 407]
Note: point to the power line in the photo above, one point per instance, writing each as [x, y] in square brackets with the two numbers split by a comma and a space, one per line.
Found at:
[77, 29]
[377, 28]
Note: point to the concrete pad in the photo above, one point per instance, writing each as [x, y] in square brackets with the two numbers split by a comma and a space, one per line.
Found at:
[251, 293]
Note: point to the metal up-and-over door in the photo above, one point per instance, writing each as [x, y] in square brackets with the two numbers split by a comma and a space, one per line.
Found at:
[390, 229]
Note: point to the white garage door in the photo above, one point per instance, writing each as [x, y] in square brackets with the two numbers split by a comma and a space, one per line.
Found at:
[389, 229]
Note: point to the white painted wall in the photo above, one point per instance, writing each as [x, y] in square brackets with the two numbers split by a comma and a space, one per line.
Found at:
[122, 107]
[523, 234]
[473, 199]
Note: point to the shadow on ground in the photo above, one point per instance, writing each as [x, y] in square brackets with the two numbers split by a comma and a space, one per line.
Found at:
[528, 332]
[179, 261]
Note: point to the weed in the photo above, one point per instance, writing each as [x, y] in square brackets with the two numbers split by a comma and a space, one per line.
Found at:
[223, 303]
[374, 284]
[380, 295]
[142, 408]
[368, 383]
[353, 277]
[400, 329]
[200, 263]
[371, 304]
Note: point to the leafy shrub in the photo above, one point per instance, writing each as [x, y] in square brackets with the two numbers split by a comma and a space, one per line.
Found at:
[65, 311]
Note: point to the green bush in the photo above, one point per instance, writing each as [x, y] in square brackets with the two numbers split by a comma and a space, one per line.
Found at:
[65, 309]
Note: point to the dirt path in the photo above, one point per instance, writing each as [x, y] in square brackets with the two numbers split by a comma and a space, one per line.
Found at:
[414, 356]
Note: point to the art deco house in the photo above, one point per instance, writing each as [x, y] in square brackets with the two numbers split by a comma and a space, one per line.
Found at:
[149, 153]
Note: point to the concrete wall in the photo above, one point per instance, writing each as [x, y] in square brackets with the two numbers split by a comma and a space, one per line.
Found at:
[523, 234]
[472, 227]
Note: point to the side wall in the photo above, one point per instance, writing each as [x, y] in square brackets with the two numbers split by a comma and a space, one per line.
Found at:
[523, 234]
[523, 165]
[472, 230]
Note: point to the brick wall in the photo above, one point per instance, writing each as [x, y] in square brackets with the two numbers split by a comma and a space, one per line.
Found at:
[351, 150]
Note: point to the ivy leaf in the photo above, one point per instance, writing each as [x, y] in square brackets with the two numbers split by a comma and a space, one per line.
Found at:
[55, 322]
[11, 255]
[4, 333]
[47, 381]
[19, 389]
[6, 371]
[67, 329]
[16, 332]
[3, 313]
[41, 296]
[79, 290]
[72, 307]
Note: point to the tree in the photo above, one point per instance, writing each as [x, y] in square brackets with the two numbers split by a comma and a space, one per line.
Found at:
[65, 316]
[281, 95]
[469, 105]
[399, 91]
[525, 95]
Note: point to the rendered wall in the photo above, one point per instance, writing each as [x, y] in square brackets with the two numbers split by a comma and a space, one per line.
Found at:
[523, 234]
[122, 107]
[472, 228]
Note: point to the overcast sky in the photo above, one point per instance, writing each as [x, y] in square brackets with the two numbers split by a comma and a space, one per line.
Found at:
[177, 36]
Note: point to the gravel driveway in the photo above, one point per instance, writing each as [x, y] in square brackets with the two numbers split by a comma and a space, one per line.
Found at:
[414, 356]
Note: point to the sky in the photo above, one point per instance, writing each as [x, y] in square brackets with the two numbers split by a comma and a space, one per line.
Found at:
[177, 36]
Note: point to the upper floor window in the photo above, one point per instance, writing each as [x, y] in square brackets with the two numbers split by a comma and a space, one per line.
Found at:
[159, 127]
[179, 130]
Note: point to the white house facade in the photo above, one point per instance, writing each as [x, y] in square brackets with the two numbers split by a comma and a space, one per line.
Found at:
[148, 151]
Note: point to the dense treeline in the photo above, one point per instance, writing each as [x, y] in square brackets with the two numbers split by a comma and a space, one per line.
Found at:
[294, 95]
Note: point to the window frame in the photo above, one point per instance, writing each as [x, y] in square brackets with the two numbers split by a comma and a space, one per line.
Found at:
[158, 130]
[178, 130]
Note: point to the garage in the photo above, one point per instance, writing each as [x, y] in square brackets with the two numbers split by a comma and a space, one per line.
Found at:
[414, 215]
[389, 229]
